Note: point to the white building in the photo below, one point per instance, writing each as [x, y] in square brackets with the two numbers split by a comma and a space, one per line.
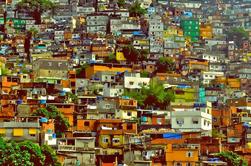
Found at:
[210, 57]
[134, 81]
[191, 121]
[113, 91]
[208, 76]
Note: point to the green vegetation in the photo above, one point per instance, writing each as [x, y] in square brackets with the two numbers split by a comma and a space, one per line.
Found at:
[165, 64]
[237, 35]
[136, 10]
[217, 134]
[80, 71]
[26, 153]
[33, 31]
[35, 7]
[154, 95]
[232, 159]
[144, 74]
[72, 97]
[121, 3]
[5, 71]
[111, 58]
[50, 156]
[51, 112]
[133, 55]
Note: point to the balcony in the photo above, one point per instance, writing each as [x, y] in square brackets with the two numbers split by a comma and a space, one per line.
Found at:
[127, 103]
[111, 132]
[73, 148]
[66, 148]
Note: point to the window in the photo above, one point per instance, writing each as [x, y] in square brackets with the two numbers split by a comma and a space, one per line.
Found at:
[129, 126]
[180, 121]
[195, 120]
[188, 164]
[189, 154]
[105, 140]
[115, 140]
[178, 164]
[32, 132]
[18, 132]
[205, 122]
[129, 113]
[2, 131]
[131, 82]
[107, 106]
[86, 123]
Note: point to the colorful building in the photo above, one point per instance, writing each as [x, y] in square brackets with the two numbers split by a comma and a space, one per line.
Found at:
[191, 28]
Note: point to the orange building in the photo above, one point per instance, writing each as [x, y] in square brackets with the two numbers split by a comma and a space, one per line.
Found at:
[7, 82]
[87, 125]
[93, 69]
[182, 155]
[206, 31]
[100, 50]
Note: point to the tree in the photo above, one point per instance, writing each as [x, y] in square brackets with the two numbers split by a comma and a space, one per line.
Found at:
[35, 8]
[136, 10]
[153, 95]
[144, 74]
[217, 134]
[165, 64]
[4, 71]
[237, 35]
[72, 97]
[232, 158]
[111, 58]
[121, 3]
[50, 156]
[26, 153]
[133, 55]
[51, 112]
[34, 150]
[157, 95]
[33, 31]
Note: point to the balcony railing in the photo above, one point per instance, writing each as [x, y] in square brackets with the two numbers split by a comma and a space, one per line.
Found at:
[66, 148]
[73, 148]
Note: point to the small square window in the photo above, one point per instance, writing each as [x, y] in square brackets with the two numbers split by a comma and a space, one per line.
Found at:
[129, 126]
[86, 123]
[105, 140]
[129, 113]
[195, 121]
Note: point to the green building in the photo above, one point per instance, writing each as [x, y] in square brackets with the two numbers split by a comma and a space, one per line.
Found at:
[16, 22]
[191, 28]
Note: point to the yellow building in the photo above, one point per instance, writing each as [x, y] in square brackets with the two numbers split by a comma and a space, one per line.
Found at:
[120, 56]
[206, 31]
[42, 55]
[181, 155]
[172, 31]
